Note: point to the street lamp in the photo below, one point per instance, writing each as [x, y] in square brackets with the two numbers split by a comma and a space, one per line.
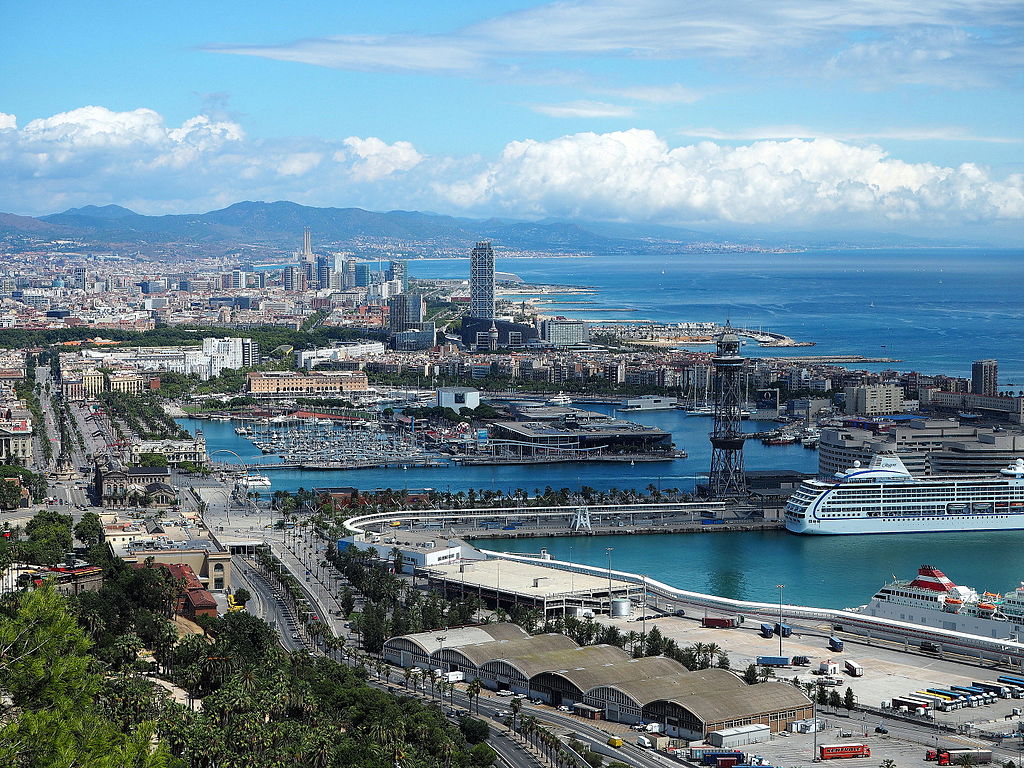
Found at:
[781, 588]
[608, 551]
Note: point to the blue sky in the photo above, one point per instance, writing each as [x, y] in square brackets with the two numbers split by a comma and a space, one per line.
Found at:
[889, 114]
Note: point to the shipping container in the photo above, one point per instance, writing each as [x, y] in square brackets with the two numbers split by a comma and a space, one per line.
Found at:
[767, 630]
[783, 629]
[717, 521]
[835, 644]
[711, 757]
[773, 661]
[953, 756]
[834, 751]
[718, 622]
[853, 669]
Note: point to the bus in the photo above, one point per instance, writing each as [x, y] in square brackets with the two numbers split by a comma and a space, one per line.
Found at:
[838, 751]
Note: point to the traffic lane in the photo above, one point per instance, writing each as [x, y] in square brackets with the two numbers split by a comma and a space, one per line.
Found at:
[275, 609]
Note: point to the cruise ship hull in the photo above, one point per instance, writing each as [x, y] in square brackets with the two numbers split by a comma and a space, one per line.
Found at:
[949, 524]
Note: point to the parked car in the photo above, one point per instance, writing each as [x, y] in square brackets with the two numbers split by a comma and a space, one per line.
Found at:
[881, 729]
[564, 708]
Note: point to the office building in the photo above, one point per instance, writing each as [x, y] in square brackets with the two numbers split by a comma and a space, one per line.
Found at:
[481, 281]
[398, 270]
[564, 333]
[406, 311]
[239, 279]
[985, 377]
[294, 278]
[323, 272]
[875, 400]
[362, 272]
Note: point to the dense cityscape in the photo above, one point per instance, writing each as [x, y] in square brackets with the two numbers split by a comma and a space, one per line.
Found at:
[530, 384]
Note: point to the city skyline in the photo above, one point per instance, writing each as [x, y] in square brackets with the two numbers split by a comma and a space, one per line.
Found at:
[866, 116]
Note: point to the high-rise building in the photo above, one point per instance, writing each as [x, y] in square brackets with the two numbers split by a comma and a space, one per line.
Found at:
[261, 279]
[323, 272]
[362, 273]
[79, 275]
[250, 353]
[481, 281]
[239, 279]
[563, 333]
[397, 270]
[307, 243]
[405, 311]
[294, 278]
[985, 377]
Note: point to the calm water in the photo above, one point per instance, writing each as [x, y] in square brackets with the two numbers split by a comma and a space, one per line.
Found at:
[936, 309]
[824, 571]
[690, 433]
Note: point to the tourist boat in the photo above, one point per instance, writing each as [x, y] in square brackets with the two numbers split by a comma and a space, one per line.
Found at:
[243, 431]
[560, 399]
[932, 599]
[255, 481]
[885, 498]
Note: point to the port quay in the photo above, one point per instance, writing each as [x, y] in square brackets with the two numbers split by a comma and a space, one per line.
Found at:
[662, 597]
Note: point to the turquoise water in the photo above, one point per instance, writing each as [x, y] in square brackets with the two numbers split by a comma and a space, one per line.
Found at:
[936, 309]
[823, 571]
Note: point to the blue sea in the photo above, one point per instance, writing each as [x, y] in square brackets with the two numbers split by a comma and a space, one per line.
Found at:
[934, 309]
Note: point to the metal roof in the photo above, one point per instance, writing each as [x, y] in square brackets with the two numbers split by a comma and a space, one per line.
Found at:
[609, 673]
[677, 686]
[520, 646]
[570, 658]
[745, 701]
[457, 637]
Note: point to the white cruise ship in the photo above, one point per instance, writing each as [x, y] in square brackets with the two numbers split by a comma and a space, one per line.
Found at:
[932, 599]
[886, 498]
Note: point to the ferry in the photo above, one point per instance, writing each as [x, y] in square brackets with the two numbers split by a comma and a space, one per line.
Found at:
[934, 600]
[255, 481]
[886, 498]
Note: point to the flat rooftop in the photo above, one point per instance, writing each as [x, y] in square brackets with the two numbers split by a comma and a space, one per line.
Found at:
[610, 427]
[527, 579]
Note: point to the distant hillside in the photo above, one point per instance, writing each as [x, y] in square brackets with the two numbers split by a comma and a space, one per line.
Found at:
[260, 226]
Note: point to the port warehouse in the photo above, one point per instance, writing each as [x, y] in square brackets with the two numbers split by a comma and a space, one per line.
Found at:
[602, 681]
[1004, 651]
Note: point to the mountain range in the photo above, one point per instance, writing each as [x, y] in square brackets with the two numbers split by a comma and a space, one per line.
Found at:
[277, 225]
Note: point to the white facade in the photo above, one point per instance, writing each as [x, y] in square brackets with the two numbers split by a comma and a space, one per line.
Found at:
[563, 333]
[875, 400]
[311, 358]
[458, 398]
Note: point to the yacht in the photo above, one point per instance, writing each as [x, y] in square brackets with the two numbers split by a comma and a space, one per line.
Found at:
[885, 498]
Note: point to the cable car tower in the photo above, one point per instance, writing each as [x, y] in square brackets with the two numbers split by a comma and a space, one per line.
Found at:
[727, 479]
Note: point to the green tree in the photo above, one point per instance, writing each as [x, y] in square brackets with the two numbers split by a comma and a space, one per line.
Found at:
[834, 699]
[750, 674]
[89, 530]
[242, 596]
[849, 701]
[152, 460]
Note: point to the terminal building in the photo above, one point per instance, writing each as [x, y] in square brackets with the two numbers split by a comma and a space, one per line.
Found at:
[605, 435]
[926, 446]
[507, 583]
[602, 682]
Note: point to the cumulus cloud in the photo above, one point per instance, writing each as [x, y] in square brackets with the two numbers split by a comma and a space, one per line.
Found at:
[94, 154]
[134, 158]
[634, 175]
[583, 108]
[378, 159]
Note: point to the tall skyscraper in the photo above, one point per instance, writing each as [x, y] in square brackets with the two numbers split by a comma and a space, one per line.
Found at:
[406, 311]
[397, 271]
[294, 278]
[362, 274]
[481, 281]
[323, 272]
[307, 243]
[985, 377]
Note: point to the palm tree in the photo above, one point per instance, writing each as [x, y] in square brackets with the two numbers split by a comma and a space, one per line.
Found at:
[473, 690]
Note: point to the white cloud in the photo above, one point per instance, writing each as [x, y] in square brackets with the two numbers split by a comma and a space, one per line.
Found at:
[657, 94]
[378, 159]
[95, 155]
[946, 42]
[7, 121]
[583, 108]
[940, 133]
[635, 176]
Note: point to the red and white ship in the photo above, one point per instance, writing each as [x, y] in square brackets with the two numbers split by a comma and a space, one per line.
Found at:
[932, 599]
